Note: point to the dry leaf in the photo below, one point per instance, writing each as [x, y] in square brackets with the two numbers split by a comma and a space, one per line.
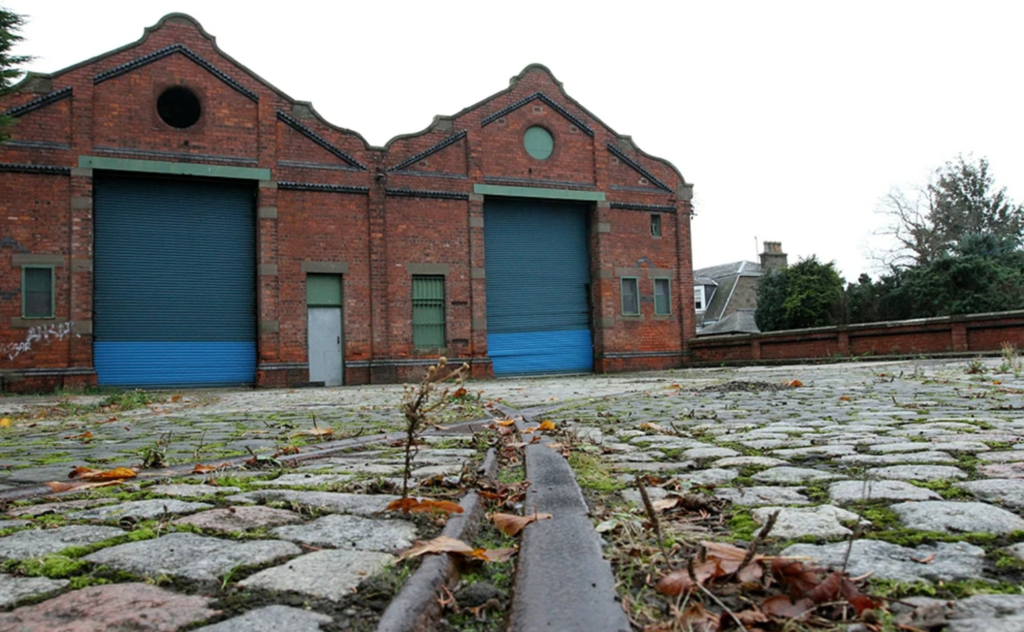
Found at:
[510, 524]
[176, 399]
[314, 432]
[678, 582]
[460, 392]
[206, 469]
[795, 384]
[547, 425]
[924, 560]
[440, 544]
[90, 474]
[413, 505]
[844, 398]
[781, 606]
[505, 422]
[84, 436]
[58, 486]
[665, 503]
[496, 555]
[652, 427]
[5, 422]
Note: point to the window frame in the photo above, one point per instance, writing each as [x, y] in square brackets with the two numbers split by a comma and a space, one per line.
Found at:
[703, 299]
[52, 313]
[656, 225]
[417, 341]
[668, 296]
[635, 282]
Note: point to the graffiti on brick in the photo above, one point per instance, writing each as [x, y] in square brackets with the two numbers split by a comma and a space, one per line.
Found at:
[10, 242]
[44, 334]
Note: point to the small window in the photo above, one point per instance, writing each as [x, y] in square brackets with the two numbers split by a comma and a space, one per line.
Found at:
[655, 225]
[698, 298]
[662, 297]
[428, 326]
[630, 297]
[37, 292]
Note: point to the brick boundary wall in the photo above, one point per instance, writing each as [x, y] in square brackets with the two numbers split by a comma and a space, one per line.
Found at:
[955, 335]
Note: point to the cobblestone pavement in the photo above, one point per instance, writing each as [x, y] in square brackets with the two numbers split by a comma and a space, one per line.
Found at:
[925, 456]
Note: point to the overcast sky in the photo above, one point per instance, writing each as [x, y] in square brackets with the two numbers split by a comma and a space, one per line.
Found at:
[792, 119]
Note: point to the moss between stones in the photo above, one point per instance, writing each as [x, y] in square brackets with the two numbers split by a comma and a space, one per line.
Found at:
[594, 473]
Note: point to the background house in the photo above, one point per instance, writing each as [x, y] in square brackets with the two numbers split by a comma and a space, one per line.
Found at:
[725, 296]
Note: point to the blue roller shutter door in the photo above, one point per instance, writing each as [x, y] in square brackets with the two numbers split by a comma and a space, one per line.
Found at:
[538, 275]
[174, 274]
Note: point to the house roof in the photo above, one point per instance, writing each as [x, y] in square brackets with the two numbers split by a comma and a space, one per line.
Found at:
[741, 268]
[738, 322]
[725, 277]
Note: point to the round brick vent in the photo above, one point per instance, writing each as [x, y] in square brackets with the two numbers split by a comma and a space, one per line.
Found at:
[178, 107]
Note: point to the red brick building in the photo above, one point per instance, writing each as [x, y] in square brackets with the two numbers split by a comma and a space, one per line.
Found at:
[169, 218]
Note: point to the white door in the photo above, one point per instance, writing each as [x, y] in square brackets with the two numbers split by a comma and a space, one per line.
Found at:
[325, 345]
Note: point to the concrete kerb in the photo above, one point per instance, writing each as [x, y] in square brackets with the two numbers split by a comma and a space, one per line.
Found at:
[560, 561]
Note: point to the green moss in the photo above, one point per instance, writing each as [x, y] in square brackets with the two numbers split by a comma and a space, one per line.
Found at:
[592, 472]
[945, 488]
[52, 566]
[743, 525]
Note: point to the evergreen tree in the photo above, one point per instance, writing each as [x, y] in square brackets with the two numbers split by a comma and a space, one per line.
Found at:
[10, 23]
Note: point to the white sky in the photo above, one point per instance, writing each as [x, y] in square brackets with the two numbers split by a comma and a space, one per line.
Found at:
[792, 118]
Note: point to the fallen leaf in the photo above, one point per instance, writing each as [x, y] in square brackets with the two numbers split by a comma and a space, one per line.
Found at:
[510, 524]
[427, 505]
[439, 506]
[505, 422]
[440, 544]
[288, 449]
[176, 399]
[674, 386]
[314, 432]
[679, 582]
[547, 425]
[665, 503]
[461, 392]
[90, 474]
[652, 427]
[924, 560]
[800, 579]
[84, 436]
[496, 555]
[206, 469]
[781, 606]
[5, 422]
[58, 486]
[795, 384]
[404, 505]
[844, 398]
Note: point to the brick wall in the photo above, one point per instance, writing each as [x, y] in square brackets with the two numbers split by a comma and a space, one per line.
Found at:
[975, 333]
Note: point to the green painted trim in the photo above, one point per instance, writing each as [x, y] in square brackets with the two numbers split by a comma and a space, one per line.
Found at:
[172, 168]
[534, 192]
[667, 282]
[622, 295]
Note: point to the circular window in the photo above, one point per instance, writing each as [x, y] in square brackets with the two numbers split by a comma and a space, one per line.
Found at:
[178, 107]
[539, 143]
